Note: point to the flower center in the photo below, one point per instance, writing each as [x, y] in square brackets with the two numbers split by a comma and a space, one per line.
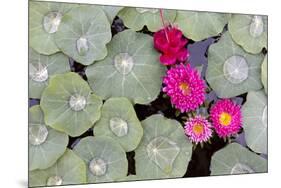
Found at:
[123, 63]
[82, 46]
[54, 180]
[198, 129]
[40, 73]
[37, 134]
[225, 118]
[77, 102]
[143, 10]
[240, 168]
[52, 21]
[118, 126]
[97, 167]
[184, 88]
[256, 26]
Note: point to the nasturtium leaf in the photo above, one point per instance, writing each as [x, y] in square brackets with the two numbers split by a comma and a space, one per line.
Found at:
[236, 159]
[111, 11]
[69, 169]
[83, 34]
[201, 25]
[105, 159]
[119, 121]
[137, 18]
[264, 74]
[130, 178]
[44, 22]
[164, 151]
[41, 67]
[249, 31]
[232, 71]
[131, 69]
[69, 104]
[254, 113]
[46, 145]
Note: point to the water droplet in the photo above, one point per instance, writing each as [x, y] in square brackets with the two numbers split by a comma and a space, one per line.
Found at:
[236, 69]
[256, 26]
[143, 10]
[77, 102]
[240, 168]
[39, 73]
[98, 167]
[54, 180]
[52, 21]
[82, 46]
[37, 134]
[264, 116]
[118, 126]
[123, 63]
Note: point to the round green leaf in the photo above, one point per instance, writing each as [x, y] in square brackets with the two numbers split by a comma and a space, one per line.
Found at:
[46, 145]
[69, 169]
[69, 104]
[264, 74]
[111, 11]
[201, 25]
[137, 18]
[249, 31]
[42, 67]
[232, 71]
[164, 151]
[130, 178]
[119, 121]
[254, 113]
[83, 34]
[235, 159]
[105, 159]
[44, 22]
[131, 69]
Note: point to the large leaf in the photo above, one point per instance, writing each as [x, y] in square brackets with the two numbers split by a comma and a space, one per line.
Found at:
[41, 67]
[106, 160]
[254, 113]
[131, 69]
[137, 18]
[46, 145]
[44, 21]
[119, 121]
[201, 25]
[69, 169]
[69, 104]
[235, 159]
[111, 11]
[164, 151]
[249, 31]
[232, 71]
[264, 74]
[83, 34]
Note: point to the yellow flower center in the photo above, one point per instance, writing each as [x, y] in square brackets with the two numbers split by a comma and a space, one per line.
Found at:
[184, 88]
[225, 119]
[198, 129]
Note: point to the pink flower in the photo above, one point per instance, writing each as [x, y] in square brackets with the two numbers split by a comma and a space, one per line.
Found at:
[198, 129]
[170, 42]
[185, 87]
[226, 117]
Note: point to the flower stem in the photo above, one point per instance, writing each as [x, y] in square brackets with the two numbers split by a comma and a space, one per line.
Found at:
[163, 22]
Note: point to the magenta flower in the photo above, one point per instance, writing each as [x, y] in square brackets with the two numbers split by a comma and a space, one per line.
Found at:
[198, 129]
[170, 42]
[226, 117]
[185, 87]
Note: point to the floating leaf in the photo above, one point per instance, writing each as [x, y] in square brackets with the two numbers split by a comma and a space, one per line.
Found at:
[249, 31]
[232, 71]
[119, 121]
[83, 34]
[131, 69]
[137, 18]
[46, 145]
[69, 169]
[254, 113]
[106, 160]
[44, 21]
[111, 11]
[201, 25]
[41, 67]
[69, 104]
[164, 151]
[130, 178]
[235, 159]
[264, 74]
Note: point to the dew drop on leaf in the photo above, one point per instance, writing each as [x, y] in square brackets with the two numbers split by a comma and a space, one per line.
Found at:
[37, 134]
[52, 21]
[118, 126]
[240, 168]
[82, 46]
[39, 73]
[256, 26]
[77, 102]
[98, 167]
[54, 180]
[123, 63]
